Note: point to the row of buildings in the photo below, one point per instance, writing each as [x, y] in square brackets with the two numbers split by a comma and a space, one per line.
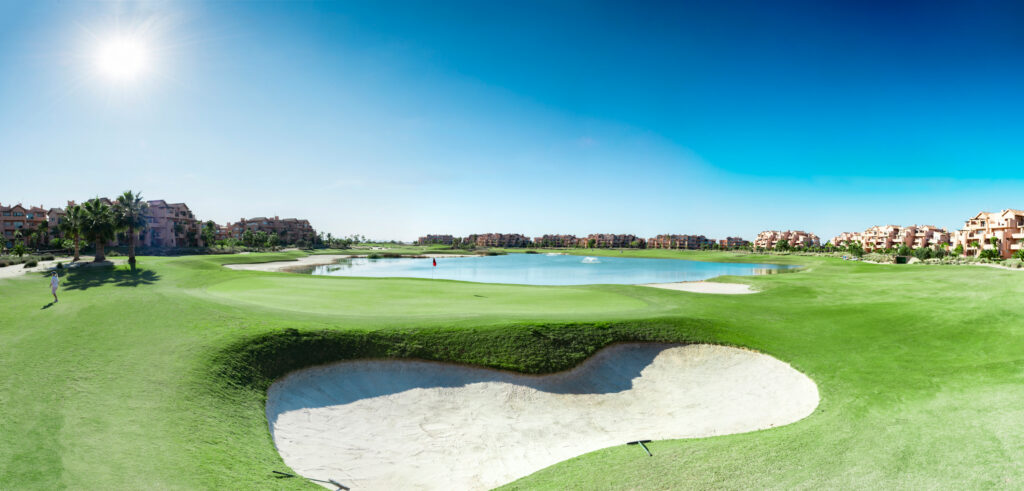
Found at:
[168, 225]
[1005, 228]
[602, 241]
[769, 239]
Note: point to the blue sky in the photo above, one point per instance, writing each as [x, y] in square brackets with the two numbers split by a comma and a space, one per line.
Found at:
[395, 120]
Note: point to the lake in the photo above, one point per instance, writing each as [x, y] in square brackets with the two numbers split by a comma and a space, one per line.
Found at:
[541, 269]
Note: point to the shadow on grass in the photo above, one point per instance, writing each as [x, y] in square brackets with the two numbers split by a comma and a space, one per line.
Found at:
[44, 307]
[89, 277]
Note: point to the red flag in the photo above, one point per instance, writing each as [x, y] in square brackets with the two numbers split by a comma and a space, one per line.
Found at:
[435, 262]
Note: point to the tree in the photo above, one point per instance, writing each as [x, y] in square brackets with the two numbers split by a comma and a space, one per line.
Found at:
[98, 226]
[72, 226]
[591, 243]
[260, 239]
[855, 248]
[247, 238]
[19, 250]
[272, 241]
[130, 214]
[958, 250]
[1019, 254]
[992, 253]
[903, 250]
[782, 245]
[923, 253]
[209, 233]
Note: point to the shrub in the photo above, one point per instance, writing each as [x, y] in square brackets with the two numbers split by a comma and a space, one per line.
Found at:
[31, 263]
[373, 255]
[990, 254]
[48, 257]
[60, 265]
[531, 251]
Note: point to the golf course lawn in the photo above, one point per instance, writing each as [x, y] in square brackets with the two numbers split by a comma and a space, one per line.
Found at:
[156, 379]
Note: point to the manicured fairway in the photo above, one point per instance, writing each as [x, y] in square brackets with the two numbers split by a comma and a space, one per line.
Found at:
[156, 380]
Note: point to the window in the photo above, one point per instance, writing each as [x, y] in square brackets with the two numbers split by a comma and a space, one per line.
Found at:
[19, 214]
[29, 216]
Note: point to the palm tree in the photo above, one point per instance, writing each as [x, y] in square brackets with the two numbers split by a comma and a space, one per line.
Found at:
[72, 226]
[98, 225]
[130, 214]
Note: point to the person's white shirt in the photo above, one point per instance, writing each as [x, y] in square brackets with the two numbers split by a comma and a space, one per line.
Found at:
[54, 281]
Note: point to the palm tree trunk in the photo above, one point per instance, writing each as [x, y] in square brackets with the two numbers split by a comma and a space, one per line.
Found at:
[76, 248]
[131, 247]
[100, 256]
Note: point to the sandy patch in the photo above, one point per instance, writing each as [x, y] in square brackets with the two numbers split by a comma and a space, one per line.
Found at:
[379, 424]
[706, 287]
[286, 265]
[83, 262]
[318, 260]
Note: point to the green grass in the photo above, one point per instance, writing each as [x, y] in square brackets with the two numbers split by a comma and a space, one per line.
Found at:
[156, 379]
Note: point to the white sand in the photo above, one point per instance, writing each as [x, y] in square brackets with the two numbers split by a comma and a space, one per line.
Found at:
[83, 262]
[423, 425]
[706, 287]
[318, 260]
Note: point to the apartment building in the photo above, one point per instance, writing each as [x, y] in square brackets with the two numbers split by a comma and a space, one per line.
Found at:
[170, 225]
[673, 241]
[796, 238]
[55, 217]
[498, 240]
[552, 240]
[436, 239]
[20, 218]
[733, 243]
[288, 230]
[1007, 227]
[615, 241]
[883, 237]
[846, 238]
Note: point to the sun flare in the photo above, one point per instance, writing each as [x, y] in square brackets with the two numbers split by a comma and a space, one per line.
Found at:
[122, 59]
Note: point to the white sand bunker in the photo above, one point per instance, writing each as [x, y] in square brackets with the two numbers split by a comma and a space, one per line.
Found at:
[426, 425]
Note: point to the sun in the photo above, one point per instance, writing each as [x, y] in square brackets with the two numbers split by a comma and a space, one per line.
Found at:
[122, 59]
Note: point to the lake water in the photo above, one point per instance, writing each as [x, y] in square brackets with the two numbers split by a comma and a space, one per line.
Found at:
[540, 269]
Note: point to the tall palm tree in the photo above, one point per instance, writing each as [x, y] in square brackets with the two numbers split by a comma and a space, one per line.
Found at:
[99, 225]
[72, 226]
[130, 214]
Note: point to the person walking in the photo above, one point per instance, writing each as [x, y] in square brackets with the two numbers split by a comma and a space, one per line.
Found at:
[54, 282]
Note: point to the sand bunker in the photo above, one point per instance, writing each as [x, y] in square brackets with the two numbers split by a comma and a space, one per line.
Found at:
[706, 287]
[381, 424]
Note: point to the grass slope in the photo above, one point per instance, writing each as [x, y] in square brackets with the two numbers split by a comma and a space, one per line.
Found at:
[157, 379]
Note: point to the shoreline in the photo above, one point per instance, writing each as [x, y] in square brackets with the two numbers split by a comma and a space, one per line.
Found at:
[322, 260]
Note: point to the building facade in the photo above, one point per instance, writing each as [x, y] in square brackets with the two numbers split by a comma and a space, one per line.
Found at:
[733, 243]
[560, 240]
[170, 225]
[498, 240]
[768, 239]
[888, 237]
[288, 230]
[675, 241]
[23, 219]
[614, 241]
[436, 239]
[1007, 227]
